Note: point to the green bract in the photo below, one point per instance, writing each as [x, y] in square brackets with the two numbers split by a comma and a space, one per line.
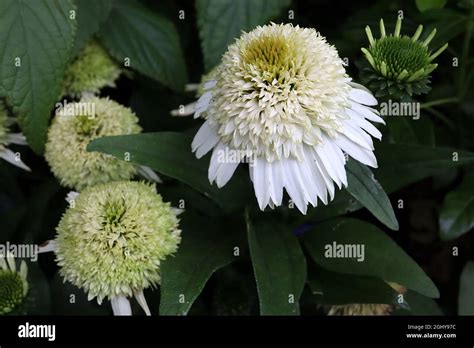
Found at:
[112, 240]
[13, 285]
[74, 127]
[92, 70]
[400, 65]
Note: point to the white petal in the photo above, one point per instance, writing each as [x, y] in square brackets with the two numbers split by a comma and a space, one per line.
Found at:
[362, 96]
[357, 135]
[317, 176]
[9, 156]
[121, 305]
[16, 138]
[23, 270]
[295, 192]
[149, 174]
[186, 110]
[367, 112]
[355, 151]
[71, 196]
[214, 163]
[48, 246]
[364, 124]
[203, 104]
[260, 184]
[204, 140]
[142, 302]
[209, 84]
[225, 172]
[329, 183]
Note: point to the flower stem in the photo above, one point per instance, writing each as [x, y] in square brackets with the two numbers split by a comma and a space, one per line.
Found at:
[439, 102]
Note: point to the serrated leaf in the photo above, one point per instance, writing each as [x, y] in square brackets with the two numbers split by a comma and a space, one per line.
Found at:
[90, 15]
[148, 40]
[381, 257]
[221, 21]
[36, 38]
[404, 164]
[204, 249]
[457, 213]
[363, 186]
[279, 266]
[170, 154]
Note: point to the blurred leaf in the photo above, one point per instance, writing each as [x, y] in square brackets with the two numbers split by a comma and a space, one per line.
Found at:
[148, 39]
[424, 5]
[342, 204]
[466, 290]
[90, 15]
[35, 40]
[170, 154]
[418, 305]
[457, 213]
[279, 266]
[341, 288]
[39, 292]
[204, 249]
[404, 164]
[221, 21]
[406, 130]
[449, 24]
[382, 257]
[363, 186]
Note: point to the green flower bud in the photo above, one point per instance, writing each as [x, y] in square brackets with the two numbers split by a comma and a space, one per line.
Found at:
[112, 241]
[13, 285]
[69, 135]
[400, 65]
[91, 71]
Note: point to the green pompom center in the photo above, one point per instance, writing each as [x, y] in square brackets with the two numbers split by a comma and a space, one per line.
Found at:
[11, 291]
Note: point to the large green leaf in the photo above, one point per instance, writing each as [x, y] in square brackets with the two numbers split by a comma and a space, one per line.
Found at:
[339, 288]
[36, 38]
[466, 289]
[90, 15]
[221, 21]
[279, 266]
[407, 130]
[380, 257]
[363, 186]
[457, 213]
[149, 40]
[205, 248]
[170, 154]
[404, 164]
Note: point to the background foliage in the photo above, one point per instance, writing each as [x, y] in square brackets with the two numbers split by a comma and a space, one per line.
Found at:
[233, 258]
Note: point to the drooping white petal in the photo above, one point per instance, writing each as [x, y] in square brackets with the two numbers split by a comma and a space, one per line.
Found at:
[185, 110]
[9, 156]
[23, 270]
[260, 184]
[295, 192]
[16, 138]
[47, 246]
[202, 104]
[318, 180]
[209, 84]
[362, 96]
[149, 174]
[204, 140]
[367, 112]
[365, 125]
[357, 152]
[142, 302]
[225, 172]
[121, 305]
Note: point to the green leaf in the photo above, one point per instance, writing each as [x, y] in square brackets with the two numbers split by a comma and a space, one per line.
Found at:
[418, 305]
[363, 186]
[279, 266]
[407, 130]
[204, 249]
[170, 154]
[380, 257]
[466, 289]
[425, 5]
[338, 288]
[404, 164]
[221, 21]
[36, 38]
[148, 39]
[457, 213]
[90, 15]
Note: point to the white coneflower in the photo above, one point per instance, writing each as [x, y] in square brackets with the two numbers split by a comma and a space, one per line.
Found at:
[112, 240]
[282, 98]
[7, 138]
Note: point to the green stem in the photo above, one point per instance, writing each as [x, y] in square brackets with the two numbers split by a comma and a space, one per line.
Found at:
[439, 102]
